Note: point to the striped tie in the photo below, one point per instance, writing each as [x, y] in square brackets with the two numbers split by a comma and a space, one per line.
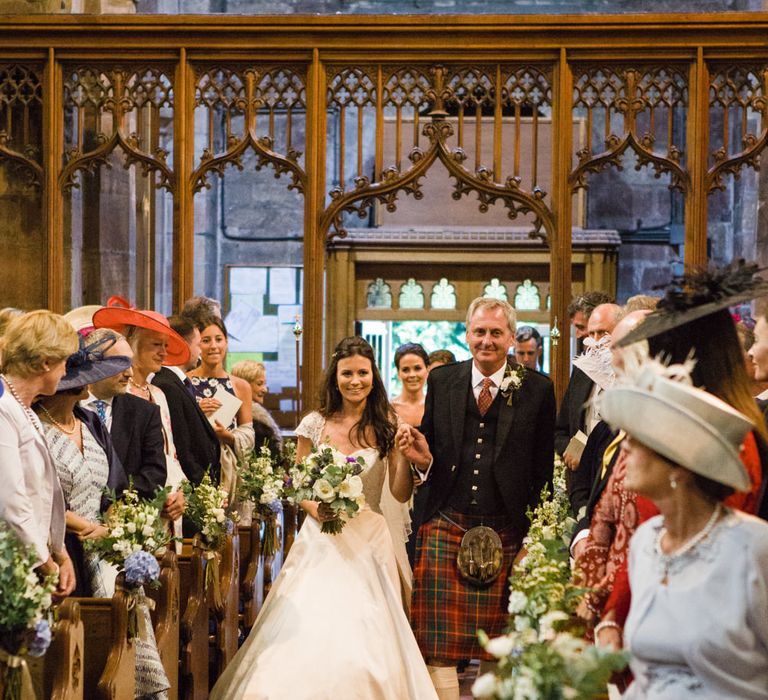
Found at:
[101, 409]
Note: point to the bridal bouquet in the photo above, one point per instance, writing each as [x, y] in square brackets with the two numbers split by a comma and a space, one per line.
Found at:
[261, 482]
[24, 613]
[543, 654]
[327, 476]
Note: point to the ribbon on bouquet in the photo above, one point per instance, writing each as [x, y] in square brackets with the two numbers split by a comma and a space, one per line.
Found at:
[137, 621]
[17, 681]
[212, 577]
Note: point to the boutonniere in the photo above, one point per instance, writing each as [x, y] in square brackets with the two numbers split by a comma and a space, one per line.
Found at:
[512, 381]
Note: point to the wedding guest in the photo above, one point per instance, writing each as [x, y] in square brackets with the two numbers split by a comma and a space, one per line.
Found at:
[237, 438]
[197, 446]
[438, 358]
[481, 416]
[153, 344]
[34, 349]
[528, 347]
[6, 316]
[264, 426]
[200, 309]
[641, 302]
[411, 363]
[85, 461]
[698, 570]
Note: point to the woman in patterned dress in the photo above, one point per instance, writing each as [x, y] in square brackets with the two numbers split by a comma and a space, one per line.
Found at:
[238, 438]
[86, 464]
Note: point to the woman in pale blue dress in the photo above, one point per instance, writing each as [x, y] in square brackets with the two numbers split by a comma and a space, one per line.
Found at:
[698, 624]
[333, 625]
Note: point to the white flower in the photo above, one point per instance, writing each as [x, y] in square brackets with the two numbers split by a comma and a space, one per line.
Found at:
[500, 646]
[485, 686]
[351, 487]
[147, 531]
[547, 623]
[130, 527]
[324, 491]
[517, 602]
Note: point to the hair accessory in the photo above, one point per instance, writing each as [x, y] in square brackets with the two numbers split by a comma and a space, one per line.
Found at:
[88, 364]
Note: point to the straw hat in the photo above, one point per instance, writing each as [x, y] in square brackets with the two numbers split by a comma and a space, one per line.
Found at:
[683, 424]
[117, 318]
[88, 365]
[81, 318]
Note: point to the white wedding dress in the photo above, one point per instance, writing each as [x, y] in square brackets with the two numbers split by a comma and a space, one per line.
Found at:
[333, 625]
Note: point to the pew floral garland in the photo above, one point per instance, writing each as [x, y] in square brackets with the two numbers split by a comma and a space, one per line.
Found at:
[136, 534]
[207, 506]
[261, 483]
[328, 476]
[543, 654]
[24, 613]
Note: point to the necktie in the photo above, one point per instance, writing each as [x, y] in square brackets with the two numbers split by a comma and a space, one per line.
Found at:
[189, 387]
[484, 399]
[101, 409]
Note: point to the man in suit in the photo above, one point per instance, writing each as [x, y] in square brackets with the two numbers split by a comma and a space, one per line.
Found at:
[134, 426]
[197, 446]
[486, 448]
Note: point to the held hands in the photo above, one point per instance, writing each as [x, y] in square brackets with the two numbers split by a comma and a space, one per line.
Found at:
[413, 445]
[322, 512]
[92, 531]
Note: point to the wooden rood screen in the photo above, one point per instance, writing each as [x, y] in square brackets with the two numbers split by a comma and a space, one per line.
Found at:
[162, 106]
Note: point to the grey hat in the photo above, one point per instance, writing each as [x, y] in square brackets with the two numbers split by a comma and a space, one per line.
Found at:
[88, 364]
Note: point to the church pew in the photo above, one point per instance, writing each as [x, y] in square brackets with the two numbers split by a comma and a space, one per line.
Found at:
[59, 674]
[289, 526]
[251, 573]
[166, 619]
[109, 660]
[193, 651]
[224, 612]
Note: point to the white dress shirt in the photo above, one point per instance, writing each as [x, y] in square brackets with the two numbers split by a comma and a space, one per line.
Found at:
[90, 405]
[478, 377]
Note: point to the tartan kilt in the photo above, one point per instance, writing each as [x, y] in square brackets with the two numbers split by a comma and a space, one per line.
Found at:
[447, 611]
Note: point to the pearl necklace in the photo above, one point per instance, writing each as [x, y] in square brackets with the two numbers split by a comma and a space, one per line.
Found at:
[64, 429]
[27, 410]
[700, 536]
[144, 388]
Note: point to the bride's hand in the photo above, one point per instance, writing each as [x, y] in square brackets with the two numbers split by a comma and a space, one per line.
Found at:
[322, 512]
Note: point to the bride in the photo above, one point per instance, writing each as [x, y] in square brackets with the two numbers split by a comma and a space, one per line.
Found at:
[333, 625]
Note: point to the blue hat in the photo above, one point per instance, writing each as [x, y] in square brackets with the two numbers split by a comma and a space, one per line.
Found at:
[88, 364]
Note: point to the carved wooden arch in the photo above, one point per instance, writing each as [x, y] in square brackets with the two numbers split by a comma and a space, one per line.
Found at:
[118, 90]
[20, 84]
[247, 91]
[437, 130]
[732, 86]
[629, 91]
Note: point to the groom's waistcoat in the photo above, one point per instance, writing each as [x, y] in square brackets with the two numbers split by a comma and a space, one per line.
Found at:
[475, 490]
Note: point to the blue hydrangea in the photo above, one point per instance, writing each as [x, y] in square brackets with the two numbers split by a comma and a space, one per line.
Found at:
[141, 568]
[42, 638]
[230, 524]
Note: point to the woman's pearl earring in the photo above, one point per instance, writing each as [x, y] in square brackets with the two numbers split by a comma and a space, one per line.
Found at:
[673, 482]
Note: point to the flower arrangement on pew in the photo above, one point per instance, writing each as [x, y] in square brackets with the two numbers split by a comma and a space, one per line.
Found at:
[207, 506]
[136, 535]
[327, 476]
[261, 482]
[543, 654]
[24, 614]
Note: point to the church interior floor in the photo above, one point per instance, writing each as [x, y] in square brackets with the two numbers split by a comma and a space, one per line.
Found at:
[466, 679]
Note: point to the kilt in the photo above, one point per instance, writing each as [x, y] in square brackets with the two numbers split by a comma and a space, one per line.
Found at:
[447, 611]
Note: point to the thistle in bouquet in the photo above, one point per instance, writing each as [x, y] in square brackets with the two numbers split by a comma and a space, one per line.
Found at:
[25, 619]
[261, 482]
[327, 476]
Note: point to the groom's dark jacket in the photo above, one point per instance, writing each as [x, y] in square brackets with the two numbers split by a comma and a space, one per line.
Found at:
[523, 451]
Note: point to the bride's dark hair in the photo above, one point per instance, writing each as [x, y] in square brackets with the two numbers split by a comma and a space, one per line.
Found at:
[378, 415]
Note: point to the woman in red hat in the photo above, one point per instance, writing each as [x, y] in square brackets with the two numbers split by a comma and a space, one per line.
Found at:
[154, 344]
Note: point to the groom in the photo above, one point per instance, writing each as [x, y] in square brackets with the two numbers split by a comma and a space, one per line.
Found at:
[486, 445]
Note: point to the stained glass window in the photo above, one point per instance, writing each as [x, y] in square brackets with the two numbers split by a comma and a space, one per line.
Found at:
[527, 297]
[495, 290]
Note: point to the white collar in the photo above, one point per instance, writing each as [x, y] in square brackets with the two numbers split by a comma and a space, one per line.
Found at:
[92, 399]
[496, 377]
[177, 371]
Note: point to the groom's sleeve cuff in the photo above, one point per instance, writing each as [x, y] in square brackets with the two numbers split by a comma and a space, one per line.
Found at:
[422, 474]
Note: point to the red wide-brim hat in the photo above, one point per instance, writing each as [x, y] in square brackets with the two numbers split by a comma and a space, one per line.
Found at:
[117, 318]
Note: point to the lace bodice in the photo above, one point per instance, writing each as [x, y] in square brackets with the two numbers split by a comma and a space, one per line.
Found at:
[312, 427]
